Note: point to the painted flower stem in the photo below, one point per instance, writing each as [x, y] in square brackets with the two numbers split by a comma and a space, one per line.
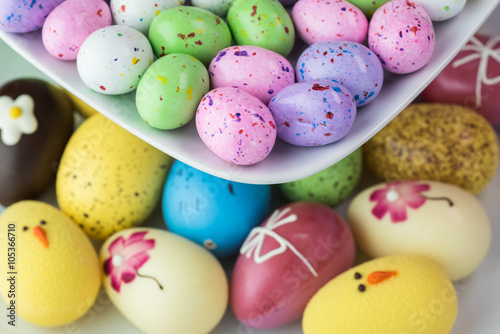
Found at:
[150, 277]
[438, 199]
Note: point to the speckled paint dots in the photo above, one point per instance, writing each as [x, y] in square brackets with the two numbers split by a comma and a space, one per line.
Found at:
[313, 113]
[258, 71]
[236, 126]
[112, 60]
[402, 35]
[336, 20]
[25, 16]
[351, 64]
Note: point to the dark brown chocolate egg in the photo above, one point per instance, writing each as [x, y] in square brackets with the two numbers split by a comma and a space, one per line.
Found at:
[36, 121]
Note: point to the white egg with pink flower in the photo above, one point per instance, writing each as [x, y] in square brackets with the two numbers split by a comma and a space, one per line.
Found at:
[161, 281]
[433, 219]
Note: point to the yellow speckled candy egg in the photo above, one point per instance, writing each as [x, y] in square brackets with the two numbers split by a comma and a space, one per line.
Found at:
[164, 283]
[434, 219]
[109, 179]
[57, 270]
[440, 142]
[389, 295]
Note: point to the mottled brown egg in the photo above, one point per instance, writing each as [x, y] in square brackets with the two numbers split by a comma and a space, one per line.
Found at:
[440, 142]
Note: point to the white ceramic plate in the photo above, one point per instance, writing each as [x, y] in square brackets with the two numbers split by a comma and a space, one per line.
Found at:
[286, 162]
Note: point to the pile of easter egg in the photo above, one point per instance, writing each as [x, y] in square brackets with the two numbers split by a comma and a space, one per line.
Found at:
[223, 62]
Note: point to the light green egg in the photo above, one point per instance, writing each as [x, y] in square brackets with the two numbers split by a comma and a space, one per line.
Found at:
[170, 91]
[263, 23]
[190, 30]
[330, 186]
[368, 7]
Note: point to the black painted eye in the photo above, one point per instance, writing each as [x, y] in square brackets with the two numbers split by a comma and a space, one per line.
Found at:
[43, 222]
[25, 228]
[357, 275]
[361, 288]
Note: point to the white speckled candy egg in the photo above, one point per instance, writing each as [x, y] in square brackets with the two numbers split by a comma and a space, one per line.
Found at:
[70, 23]
[402, 35]
[335, 20]
[218, 7]
[255, 70]
[140, 14]
[162, 282]
[351, 64]
[433, 219]
[313, 113]
[112, 60]
[440, 10]
[236, 126]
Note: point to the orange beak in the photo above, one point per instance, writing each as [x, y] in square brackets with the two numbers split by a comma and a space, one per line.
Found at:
[380, 276]
[39, 232]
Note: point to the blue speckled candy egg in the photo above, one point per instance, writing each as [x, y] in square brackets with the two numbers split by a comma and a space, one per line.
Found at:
[313, 113]
[351, 64]
[211, 211]
[258, 71]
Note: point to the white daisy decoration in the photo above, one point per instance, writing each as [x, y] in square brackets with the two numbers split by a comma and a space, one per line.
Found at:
[16, 118]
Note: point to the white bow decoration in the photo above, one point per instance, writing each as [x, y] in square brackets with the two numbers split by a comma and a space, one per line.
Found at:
[482, 52]
[256, 238]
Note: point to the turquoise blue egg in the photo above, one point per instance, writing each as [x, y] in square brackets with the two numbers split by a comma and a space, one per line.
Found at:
[213, 212]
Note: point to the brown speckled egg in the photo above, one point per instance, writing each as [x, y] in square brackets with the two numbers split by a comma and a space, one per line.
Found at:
[109, 179]
[440, 142]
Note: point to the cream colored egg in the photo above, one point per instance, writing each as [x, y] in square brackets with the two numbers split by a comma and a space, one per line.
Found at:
[164, 283]
[437, 220]
[53, 270]
[109, 179]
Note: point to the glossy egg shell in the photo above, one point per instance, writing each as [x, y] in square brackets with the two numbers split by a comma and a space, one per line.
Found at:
[285, 260]
[213, 212]
[258, 71]
[402, 35]
[314, 112]
[23, 16]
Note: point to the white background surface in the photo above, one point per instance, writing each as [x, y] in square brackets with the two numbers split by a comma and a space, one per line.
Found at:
[479, 294]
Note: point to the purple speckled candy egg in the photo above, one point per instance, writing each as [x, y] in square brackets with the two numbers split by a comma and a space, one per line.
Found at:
[334, 20]
[25, 16]
[402, 36]
[70, 23]
[235, 125]
[349, 63]
[313, 113]
[255, 70]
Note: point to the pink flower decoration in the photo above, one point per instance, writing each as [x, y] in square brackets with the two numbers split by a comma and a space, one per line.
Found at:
[126, 257]
[396, 196]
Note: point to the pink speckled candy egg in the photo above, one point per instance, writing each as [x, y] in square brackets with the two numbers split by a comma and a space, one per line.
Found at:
[402, 35]
[235, 125]
[255, 70]
[334, 20]
[314, 112]
[70, 23]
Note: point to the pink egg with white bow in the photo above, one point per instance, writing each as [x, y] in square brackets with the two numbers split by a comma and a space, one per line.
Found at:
[286, 260]
[335, 20]
[236, 126]
[402, 35]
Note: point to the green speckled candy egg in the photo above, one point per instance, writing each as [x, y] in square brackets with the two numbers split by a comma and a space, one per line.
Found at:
[330, 186]
[190, 30]
[170, 90]
[368, 7]
[263, 23]
[438, 142]
[109, 179]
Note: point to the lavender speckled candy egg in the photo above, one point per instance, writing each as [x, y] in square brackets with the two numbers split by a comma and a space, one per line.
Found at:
[25, 16]
[313, 113]
[351, 64]
[112, 60]
[258, 71]
[70, 23]
[402, 35]
[236, 126]
[335, 20]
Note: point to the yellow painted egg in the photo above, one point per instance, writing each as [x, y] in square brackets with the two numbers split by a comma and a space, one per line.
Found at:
[389, 295]
[53, 276]
[440, 142]
[438, 220]
[163, 283]
[109, 179]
